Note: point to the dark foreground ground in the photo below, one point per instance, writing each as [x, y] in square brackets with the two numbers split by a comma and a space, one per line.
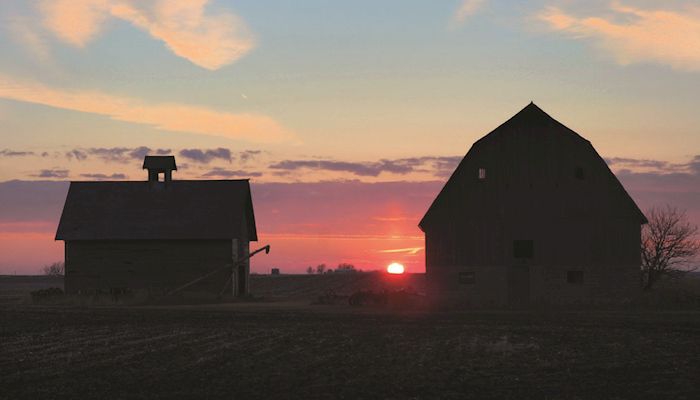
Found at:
[285, 350]
[302, 287]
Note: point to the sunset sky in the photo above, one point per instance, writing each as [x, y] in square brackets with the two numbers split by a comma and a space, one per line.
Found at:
[348, 116]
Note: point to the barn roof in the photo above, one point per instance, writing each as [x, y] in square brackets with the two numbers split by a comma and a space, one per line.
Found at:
[160, 163]
[533, 121]
[211, 209]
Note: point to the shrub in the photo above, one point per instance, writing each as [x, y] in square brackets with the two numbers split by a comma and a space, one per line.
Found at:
[55, 269]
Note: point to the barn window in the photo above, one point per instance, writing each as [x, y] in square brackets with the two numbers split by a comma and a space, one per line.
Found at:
[482, 174]
[467, 278]
[575, 277]
[523, 249]
[578, 173]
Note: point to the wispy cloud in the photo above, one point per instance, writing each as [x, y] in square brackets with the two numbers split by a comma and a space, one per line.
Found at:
[165, 116]
[79, 155]
[52, 173]
[207, 39]
[356, 168]
[247, 155]
[680, 188]
[104, 177]
[694, 165]
[439, 166]
[115, 154]
[227, 173]
[634, 35]
[13, 153]
[205, 156]
[32, 41]
[648, 165]
[643, 163]
[407, 250]
[466, 9]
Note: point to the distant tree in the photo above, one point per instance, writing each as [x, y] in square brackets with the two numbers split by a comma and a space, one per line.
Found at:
[343, 267]
[669, 246]
[310, 270]
[55, 269]
[320, 268]
[329, 271]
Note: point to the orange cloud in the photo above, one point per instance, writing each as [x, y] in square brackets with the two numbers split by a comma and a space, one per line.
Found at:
[74, 21]
[207, 40]
[636, 35]
[467, 9]
[166, 116]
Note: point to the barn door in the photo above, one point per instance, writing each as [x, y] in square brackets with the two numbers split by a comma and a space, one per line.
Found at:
[518, 286]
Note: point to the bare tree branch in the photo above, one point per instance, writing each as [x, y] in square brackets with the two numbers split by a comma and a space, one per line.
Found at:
[55, 269]
[669, 245]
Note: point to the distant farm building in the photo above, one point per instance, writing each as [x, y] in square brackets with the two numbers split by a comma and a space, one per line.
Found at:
[157, 234]
[532, 215]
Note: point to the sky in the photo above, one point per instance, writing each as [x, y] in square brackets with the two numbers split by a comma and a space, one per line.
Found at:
[347, 117]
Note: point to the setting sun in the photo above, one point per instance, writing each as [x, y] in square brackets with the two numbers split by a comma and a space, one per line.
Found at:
[395, 268]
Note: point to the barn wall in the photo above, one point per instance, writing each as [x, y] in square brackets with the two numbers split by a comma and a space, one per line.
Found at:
[488, 289]
[150, 264]
[607, 252]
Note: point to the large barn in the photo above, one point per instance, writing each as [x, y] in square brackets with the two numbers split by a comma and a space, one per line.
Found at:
[532, 215]
[156, 235]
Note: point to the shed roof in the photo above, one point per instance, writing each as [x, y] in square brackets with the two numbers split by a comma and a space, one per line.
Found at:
[211, 209]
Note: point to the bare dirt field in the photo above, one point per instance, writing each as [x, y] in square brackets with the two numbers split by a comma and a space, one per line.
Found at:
[284, 347]
[304, 287]
[294, 350]
[16, 288]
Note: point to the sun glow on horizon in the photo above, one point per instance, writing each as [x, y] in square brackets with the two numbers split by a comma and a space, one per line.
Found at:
[395, 268]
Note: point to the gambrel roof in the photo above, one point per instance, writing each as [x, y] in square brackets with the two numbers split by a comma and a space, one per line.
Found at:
[532, 136]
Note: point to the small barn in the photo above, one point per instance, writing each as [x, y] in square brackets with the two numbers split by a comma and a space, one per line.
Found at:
[157, 234]
[532, 215]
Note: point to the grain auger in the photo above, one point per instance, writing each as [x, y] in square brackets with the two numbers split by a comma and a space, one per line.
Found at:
[232, 267]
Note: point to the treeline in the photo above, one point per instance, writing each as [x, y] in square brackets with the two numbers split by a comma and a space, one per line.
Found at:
[323, 269]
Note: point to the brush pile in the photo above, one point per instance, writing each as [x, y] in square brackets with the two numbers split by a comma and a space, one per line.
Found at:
[395, 298]
[42, 295]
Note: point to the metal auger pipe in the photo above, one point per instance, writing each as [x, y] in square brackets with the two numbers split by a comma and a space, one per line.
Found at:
[208, 274]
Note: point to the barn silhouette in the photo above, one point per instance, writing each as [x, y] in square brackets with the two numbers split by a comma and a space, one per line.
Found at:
[158, 234]
[532, 215]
